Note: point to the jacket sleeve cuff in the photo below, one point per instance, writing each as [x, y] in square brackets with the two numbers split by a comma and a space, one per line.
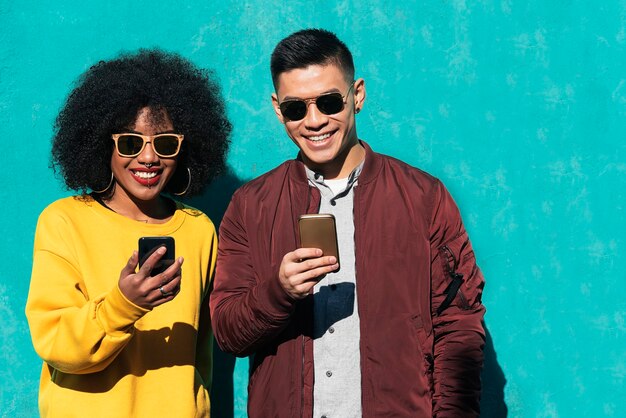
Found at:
[116, 313]
[278, 304]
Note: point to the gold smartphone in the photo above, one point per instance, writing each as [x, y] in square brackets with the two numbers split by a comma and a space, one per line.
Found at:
[319, 231]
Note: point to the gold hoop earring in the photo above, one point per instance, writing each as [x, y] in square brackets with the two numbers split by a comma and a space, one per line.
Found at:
[108, 186]
[188, 184]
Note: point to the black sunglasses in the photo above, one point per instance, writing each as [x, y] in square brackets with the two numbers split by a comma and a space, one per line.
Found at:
[329, 104]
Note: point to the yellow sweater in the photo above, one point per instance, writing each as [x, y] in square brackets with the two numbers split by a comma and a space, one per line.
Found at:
[104, 356]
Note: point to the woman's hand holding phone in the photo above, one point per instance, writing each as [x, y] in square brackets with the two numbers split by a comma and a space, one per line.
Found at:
[148, 291]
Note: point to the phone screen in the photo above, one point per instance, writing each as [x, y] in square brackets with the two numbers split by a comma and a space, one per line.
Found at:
[148, 245]
[319, 231]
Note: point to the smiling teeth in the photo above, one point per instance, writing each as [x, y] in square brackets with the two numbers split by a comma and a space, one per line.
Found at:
[145, 174]
[319, 138]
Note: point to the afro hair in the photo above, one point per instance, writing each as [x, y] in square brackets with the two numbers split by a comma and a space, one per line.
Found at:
[106, 100]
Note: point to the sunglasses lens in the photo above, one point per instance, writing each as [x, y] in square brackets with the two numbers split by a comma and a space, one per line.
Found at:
[329, 104]
[166, 145]
[129, 145]
[293, 109]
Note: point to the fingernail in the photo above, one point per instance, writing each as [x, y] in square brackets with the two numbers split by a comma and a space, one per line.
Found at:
[318, 252]
[161, 250]
[333, 260]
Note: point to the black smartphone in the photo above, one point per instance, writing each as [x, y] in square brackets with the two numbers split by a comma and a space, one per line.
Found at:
[148, 245]
[319, 230]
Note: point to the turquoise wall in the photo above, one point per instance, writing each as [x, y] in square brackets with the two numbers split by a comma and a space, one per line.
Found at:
[518, 106]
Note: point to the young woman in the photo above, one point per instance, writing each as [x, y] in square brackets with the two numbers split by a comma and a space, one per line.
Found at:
[115, 339]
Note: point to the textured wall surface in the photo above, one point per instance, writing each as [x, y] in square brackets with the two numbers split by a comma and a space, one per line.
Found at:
[518, 106]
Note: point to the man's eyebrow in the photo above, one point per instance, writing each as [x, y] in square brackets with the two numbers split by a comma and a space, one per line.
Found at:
[333, 90]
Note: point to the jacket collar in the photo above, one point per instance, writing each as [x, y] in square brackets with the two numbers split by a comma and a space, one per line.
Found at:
[371, 167]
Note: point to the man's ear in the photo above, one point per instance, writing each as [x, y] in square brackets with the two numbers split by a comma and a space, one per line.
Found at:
[279, 115]
[359, 94]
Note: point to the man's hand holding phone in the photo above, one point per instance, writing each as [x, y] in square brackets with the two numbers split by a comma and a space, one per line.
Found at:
[301, 269]
[148, 291]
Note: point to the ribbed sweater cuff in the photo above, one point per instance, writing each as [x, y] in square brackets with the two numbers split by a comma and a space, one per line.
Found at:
[117, 314]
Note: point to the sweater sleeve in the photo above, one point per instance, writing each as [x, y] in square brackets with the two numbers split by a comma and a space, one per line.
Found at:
[204, 347]
[71, 331]
[457, 313]
[247, 311]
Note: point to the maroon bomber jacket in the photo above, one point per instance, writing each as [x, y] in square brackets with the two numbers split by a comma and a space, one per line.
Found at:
[417, 283]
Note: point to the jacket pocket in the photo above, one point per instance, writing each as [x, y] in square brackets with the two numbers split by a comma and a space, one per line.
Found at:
[451, 261]
[458, 282]
[425, 342]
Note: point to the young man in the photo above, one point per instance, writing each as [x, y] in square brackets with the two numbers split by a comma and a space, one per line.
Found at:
[397, 330]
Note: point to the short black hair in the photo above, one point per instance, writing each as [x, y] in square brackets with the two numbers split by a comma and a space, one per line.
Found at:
[311, 47]
[106, 99]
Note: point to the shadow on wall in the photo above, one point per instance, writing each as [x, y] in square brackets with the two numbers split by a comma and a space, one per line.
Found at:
[214, 202]
[492, 403]
[216, 197]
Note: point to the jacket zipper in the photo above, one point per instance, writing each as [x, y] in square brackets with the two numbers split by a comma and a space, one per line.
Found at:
[357, 233]
[303, 346]
[302, 381]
